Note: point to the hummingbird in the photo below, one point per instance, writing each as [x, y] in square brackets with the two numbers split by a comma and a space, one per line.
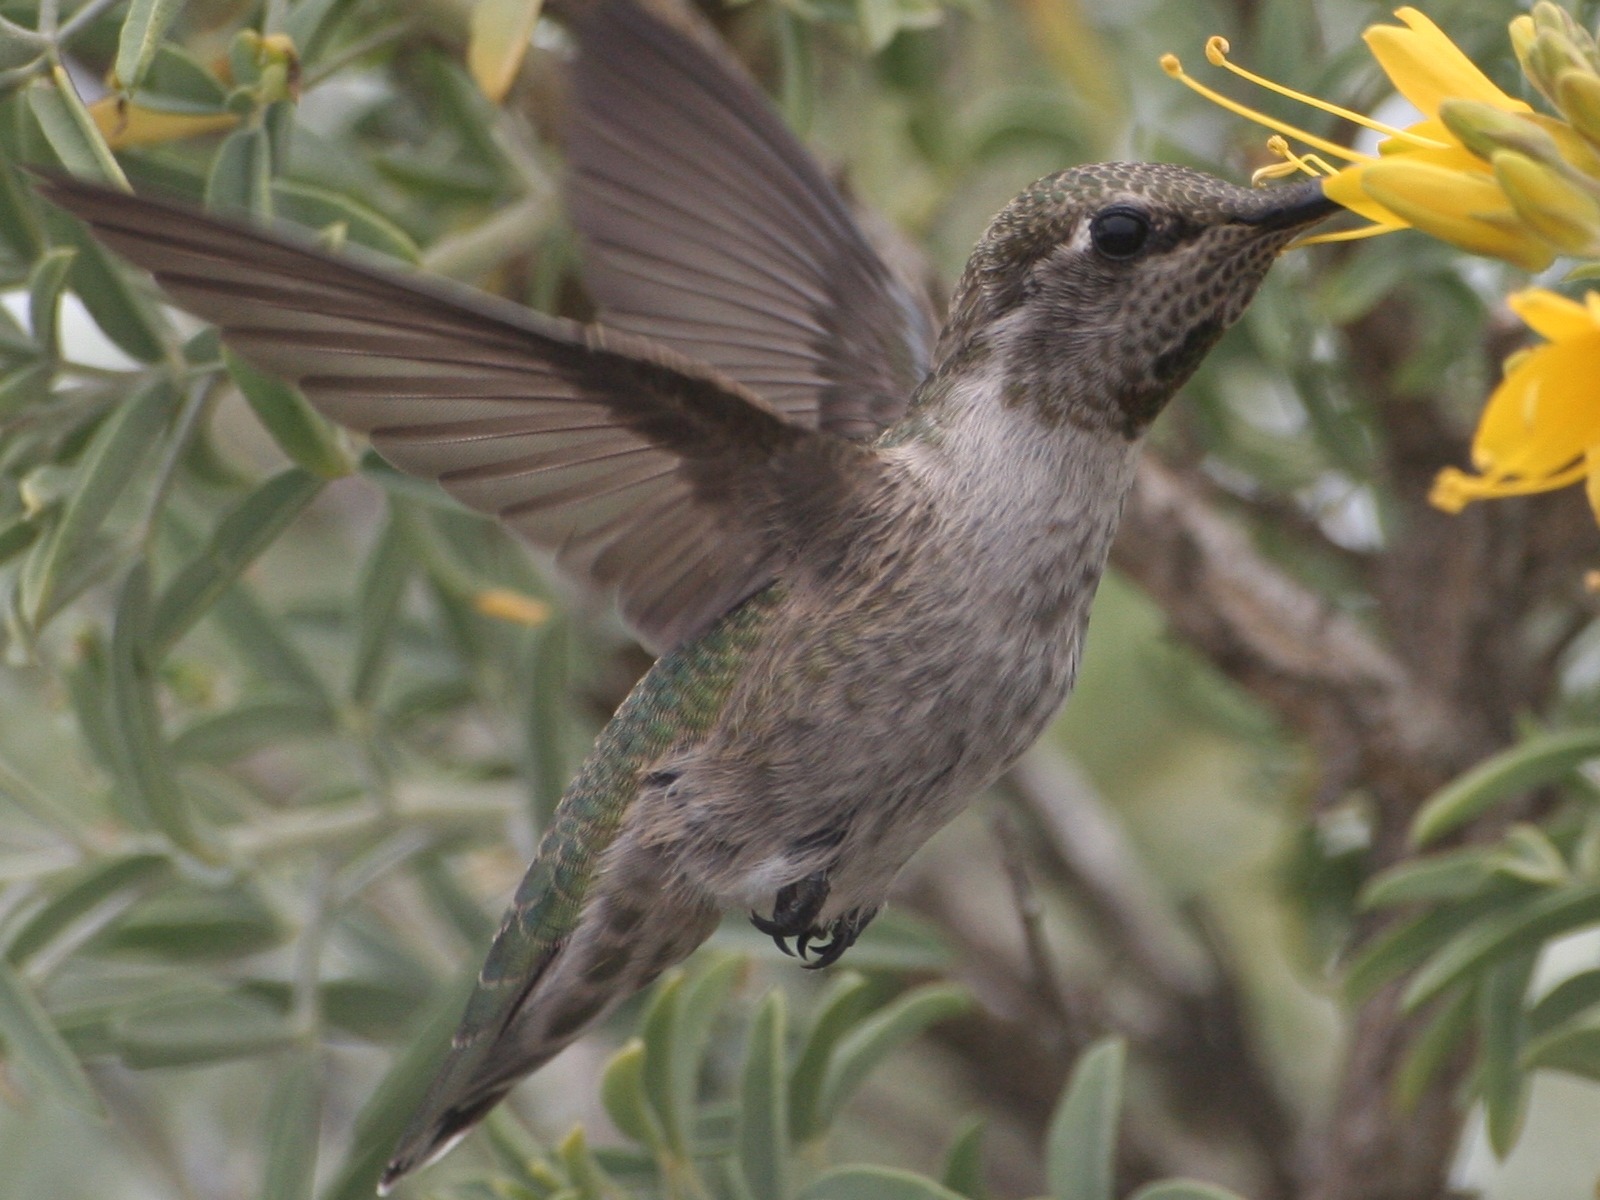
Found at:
[864, 550]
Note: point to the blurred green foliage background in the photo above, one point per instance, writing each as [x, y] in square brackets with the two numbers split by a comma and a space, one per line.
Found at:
[279, 727]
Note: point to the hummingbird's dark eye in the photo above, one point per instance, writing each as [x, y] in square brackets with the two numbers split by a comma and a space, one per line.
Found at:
[1119, 232]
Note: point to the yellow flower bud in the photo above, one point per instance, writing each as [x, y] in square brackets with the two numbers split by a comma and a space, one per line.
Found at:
[1551, 56]
[1484, 129]
[1554, 207]
[1578, 97]
[1465, 208]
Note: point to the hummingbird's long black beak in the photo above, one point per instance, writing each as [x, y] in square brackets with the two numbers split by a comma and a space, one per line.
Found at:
[1291, 207]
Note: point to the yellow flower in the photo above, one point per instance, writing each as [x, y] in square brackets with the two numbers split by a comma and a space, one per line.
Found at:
[1423, 176]
[1541, 429]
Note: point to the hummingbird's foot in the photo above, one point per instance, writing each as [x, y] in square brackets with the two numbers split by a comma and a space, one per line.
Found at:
[794, 913]
[840, 936]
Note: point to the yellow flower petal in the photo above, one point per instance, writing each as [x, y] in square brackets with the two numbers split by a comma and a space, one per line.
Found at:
[1426, 67]
[1465, 208]
[1543, 416]
[1554, 317]
[124, 124]
[497, 39]
[512, 606]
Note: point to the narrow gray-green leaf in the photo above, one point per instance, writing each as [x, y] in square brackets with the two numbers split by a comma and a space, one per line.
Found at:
[119, 447]
[70, 130]
[870, 1042]
[92, 894]
[763, 1110]
[293, 1118]
[241, 174]
[1080, 1151]
[1539, 760]
[1449, 876]
[254, 724]
[842, 1005]
[622, 1092]
[1522, 925]
[318, 208]
[34, 1043]
[659, 1028]
[1571, 998]
[305, 437]
[377, 605]
[1184, 1189]
[142, 30]
[963, 1162]
[202, 1029]
[136, 722]
[874, 1183]
[704, 996]
[46, 283]
[1575, 1050]
[1431, 1049]
[1502, 1081]
[122, 312]
[239, 538]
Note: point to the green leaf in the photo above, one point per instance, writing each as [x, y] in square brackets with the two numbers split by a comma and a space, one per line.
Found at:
[963, 1162]
[704, 996]
[1537, 761]
[869, 1043]
[1405, 944]
[254, 724]
[241, 174]
[20, 229]
[294, 1115]
[46, 283]
[381, 588]
[1528, 854]
[1502, 1082]
[659, 1029]
[32, 1041]
[1431, 1049]
[190, 1031]
[1080, 1149]
[319, 208]
[70, 130]
[132, 323]
[873, 1183]
[142, 31]
[178, 82]
[306, 438]
[26, 386]
[763, 1111]
[196, 924]
[1523, 924]
[242, 535]
[622, 1092]
[89, 897]
[1570, 998]
[1451, 876]
[1575, 1050]
[842, 1005]
[1183, 1189]
[590, 1181]
[135, 721]
[119, 446]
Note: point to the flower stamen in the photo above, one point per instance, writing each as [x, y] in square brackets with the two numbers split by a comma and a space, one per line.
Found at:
[1217, 55]
[1173, 67]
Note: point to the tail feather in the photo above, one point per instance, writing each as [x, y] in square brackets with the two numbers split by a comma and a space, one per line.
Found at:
[621, 943]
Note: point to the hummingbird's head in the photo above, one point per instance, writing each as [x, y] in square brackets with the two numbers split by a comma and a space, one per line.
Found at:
[1098, 290]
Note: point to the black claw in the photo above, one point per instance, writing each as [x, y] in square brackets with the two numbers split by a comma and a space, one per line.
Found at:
[842, 934]
[774, 931]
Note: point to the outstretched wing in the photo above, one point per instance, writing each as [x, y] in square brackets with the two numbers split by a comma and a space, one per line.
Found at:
[646, 474]
[708, 227]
